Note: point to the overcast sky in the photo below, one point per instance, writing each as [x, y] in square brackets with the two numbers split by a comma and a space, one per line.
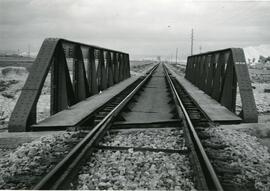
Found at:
[144, 28]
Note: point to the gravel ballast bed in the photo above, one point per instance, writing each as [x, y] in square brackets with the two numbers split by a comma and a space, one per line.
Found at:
[239, 159]
[129, 170]
[25, 166]
[154, 138]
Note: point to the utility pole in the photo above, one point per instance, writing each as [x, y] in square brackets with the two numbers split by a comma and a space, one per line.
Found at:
[200, 49]
[192, 38]
[176, 55]
[28, 50]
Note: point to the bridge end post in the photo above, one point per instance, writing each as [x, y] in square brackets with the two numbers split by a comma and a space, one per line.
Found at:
[249, 110]
[24, 113]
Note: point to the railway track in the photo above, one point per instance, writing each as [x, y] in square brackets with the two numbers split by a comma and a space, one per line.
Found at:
[163, 151]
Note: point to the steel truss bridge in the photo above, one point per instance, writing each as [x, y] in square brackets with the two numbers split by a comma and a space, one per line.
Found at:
[97, 94]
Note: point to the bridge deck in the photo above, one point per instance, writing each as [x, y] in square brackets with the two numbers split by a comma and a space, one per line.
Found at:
[213, 109]
[153, 102]
[73, 115]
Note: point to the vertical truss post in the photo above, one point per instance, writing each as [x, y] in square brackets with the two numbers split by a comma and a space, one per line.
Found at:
[210, 74]
[121, 63]
[206, 72]
[98, 70]
[110, 69]
[103, 71]
[197, 67]
[124, 67]
[194, 70]
[217, 78]
[116, 67]
[128, 65]
[119, 67]
[62, 93]
[228, 95]
[127, 70]
[189, 68]
[201, 73]
[92, 73]
[79, 76]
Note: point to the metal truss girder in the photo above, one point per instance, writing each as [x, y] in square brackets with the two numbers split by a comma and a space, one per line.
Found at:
[217, 74]
[52, 55]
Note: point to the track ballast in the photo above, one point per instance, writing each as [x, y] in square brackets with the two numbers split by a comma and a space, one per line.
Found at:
[143, 142]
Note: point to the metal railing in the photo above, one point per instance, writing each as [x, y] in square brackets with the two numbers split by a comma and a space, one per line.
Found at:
[93, 69]
[217, 73]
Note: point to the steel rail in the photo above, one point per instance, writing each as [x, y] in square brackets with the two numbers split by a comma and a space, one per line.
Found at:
[61, 175]
[212, 180]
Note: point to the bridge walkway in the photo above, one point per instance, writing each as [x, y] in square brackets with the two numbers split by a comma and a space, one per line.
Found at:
[213, 109]
[72, 116]
[152, 104]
